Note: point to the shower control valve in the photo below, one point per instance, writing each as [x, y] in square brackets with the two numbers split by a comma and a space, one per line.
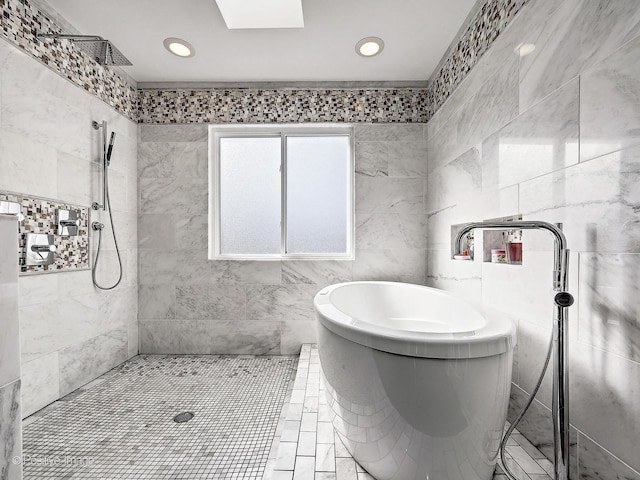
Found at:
[40, 249]
[43, 248]
[97, 226]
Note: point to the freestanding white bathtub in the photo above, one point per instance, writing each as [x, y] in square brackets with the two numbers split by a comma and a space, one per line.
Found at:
[417, 380]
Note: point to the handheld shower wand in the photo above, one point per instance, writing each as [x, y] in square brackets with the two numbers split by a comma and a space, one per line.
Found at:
[110, 149]
[107, 150]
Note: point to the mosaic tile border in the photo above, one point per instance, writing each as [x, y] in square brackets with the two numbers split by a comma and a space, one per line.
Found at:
[248, 105]
[21, 21]
[40, 217]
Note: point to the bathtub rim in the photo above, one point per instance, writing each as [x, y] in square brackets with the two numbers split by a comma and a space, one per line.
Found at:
[496, 337]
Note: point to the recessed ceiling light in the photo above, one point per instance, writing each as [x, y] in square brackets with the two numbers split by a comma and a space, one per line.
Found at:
[369, 46]
[179, 47]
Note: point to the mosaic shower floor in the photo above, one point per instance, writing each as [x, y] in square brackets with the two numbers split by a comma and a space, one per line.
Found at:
[121, 425]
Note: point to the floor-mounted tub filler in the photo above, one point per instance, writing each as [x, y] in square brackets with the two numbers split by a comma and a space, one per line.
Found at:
[417, 380]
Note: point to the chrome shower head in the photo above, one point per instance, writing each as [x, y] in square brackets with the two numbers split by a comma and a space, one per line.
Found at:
[99, 49]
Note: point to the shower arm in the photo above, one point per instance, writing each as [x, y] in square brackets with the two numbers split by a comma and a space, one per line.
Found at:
[72, 37]
[562, 300]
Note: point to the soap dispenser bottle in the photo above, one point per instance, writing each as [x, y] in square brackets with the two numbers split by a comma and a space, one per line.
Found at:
[514, 247]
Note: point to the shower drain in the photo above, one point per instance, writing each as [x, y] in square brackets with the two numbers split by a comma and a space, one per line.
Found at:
[183, 417]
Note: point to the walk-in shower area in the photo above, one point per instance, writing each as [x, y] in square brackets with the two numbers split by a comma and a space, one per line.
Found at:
[164, 417]
[303, 240]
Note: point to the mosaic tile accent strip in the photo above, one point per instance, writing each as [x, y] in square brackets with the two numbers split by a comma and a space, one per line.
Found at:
[485, 26]
[401, 105]
[40, 217]
[21, 22]
[307, 447]
[123, 427]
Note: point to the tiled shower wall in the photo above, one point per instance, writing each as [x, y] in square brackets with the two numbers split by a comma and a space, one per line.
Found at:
[10, 431]
[554, 135]
[70, 332]
[188, 304]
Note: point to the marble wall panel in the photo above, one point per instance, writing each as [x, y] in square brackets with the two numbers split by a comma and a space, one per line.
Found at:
[41, 383]
[10, 333]
[156, 302]
[292, 302]
[205, 302]
[597, 201]
[542, 140]
[10, 431]
[575, 36]
[610, 102]
[389, 195]
[594, 462]
[493, 106]
[604, 390]
[321, 273]
[399, 265]
[392, 231]
[461, 278]
[82, 362]
[457, 182]
[211, 337]
[610, 303]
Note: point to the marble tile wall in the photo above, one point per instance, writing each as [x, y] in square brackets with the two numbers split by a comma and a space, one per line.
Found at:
[69, 331]
[10, 427]
[553, 136]
[188, 304]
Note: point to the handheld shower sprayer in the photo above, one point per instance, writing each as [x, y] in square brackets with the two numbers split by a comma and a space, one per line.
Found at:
[110, 149]
[105, 160]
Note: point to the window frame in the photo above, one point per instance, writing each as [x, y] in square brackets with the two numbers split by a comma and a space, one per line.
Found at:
[216, 132]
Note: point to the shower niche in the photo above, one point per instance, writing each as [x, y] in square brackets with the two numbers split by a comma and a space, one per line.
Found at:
[502, 246]
[496, 246]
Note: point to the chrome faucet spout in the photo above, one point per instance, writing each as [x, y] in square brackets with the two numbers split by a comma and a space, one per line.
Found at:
[560, 342]
[561, 253]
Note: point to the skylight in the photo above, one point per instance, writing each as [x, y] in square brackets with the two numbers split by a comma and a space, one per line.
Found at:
[261, 13]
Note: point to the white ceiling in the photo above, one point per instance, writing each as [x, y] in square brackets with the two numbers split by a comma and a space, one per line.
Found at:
[416, 34]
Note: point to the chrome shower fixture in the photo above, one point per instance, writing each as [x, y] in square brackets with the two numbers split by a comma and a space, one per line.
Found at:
[99, 49]
[559, 340]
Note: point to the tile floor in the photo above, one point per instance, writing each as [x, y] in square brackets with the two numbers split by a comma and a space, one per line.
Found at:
[121, 425]
[306, 447]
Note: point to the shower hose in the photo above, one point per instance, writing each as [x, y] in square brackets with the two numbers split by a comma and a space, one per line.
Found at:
[513, 425]
[115, 241]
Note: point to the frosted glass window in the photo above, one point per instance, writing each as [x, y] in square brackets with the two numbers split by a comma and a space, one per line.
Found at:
[317, 175]
[281, 191]
[250, 206]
